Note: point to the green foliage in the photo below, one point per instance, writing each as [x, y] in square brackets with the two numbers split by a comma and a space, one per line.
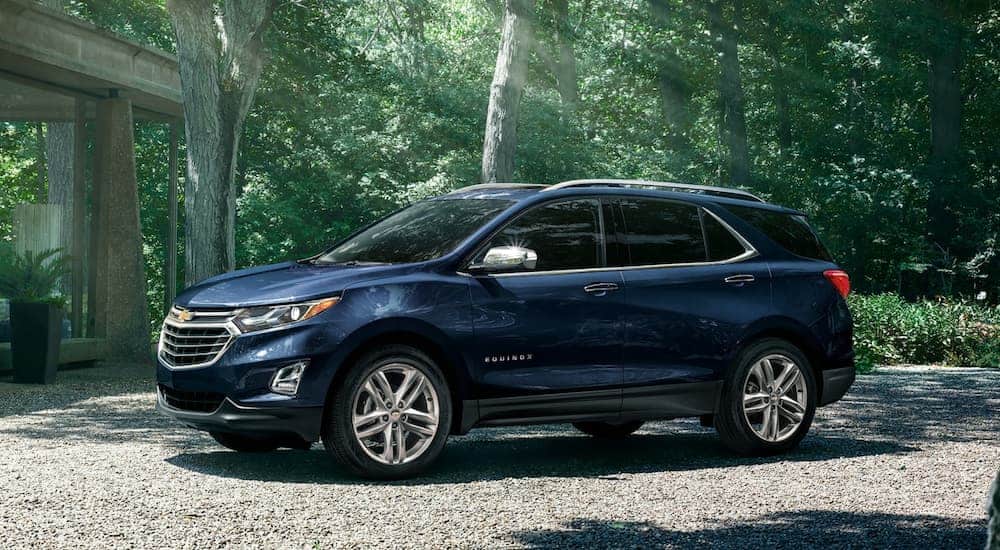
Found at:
[31, 277]
[888, 330]
[367, 105]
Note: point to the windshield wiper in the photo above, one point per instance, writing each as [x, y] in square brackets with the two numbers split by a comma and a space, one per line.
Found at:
[347, 263]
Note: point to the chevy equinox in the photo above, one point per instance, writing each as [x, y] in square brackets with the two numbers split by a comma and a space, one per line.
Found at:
[601, 303]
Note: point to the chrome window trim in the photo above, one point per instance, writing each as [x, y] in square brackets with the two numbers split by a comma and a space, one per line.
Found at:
[748, 253]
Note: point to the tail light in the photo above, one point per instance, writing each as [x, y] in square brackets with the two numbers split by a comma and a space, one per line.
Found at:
[840, 280]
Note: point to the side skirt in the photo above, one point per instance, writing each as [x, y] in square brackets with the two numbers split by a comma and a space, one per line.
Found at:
[664, 401]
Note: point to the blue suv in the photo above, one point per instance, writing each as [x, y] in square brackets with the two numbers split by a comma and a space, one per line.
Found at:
[601, 303]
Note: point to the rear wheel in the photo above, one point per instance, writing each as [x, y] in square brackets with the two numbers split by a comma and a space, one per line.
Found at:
[390, 417]
[768, 400]
[609, 430]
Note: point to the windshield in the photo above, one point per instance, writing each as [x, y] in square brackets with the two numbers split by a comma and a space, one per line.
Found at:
[423, 231]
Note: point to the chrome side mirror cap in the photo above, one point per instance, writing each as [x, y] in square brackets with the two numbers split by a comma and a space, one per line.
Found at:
[503, 259]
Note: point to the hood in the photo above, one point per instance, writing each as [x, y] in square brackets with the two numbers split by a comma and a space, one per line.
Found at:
[276, 284]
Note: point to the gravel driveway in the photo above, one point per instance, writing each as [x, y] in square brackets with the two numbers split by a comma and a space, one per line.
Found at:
[904, 460]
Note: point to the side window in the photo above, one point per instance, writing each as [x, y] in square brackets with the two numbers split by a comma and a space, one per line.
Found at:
[565, 235]
[788, 230]
[722, 245]
[663, 232]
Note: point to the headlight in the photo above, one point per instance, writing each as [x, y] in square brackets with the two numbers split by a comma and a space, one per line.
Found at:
[265, 317]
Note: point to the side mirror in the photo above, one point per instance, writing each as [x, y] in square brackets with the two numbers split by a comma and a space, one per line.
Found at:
[502, 259]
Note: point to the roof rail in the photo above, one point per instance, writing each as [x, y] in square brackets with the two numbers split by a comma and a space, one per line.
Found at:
[683, 187]
[479, 186]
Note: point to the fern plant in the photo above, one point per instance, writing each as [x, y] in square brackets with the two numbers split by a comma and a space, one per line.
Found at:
[31, 277]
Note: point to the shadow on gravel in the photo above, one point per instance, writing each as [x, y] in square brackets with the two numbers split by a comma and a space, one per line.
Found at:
[73, 385]
[467, 459]
[806, 529]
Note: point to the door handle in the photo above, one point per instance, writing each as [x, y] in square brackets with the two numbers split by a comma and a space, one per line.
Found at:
[739, 279]
[600, 289]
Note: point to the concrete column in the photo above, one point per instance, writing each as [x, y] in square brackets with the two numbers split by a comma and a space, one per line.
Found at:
[122, 315]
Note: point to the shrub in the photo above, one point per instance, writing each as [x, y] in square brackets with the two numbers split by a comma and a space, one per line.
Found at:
[889, 330]
[31, 277]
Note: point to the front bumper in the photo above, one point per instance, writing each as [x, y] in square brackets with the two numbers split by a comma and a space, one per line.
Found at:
[232, 417]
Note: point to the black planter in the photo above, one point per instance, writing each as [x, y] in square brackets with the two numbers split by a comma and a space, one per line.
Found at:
[34, 342]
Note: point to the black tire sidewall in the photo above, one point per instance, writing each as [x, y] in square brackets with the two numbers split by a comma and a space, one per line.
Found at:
[730, 422]
[338, 431]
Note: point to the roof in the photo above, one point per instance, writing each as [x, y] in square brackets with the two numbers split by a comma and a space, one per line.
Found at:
[700, 194]
[48, 58]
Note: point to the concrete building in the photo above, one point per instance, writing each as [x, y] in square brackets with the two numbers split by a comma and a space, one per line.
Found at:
[58, 69]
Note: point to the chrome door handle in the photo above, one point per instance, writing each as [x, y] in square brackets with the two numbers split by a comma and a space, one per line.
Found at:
[600, 289]
[739, 279]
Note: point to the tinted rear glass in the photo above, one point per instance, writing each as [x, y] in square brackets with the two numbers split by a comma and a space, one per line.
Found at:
[662, 232]
[789, 230]
[722, 245]
[423, 231]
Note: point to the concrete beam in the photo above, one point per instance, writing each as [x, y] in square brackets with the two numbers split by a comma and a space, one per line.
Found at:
[50, 47]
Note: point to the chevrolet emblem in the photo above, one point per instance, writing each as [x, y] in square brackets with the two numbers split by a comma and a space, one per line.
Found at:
[184, 315]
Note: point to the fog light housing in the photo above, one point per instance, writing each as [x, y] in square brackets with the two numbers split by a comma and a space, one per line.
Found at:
[286, 380]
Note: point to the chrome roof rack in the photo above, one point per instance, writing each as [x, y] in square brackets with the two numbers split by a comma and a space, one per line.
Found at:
[683, 187]
[480, 186]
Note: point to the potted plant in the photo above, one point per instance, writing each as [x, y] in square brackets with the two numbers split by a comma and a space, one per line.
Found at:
[29, 282]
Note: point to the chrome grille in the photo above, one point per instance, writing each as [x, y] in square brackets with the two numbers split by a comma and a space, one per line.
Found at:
[191, 339]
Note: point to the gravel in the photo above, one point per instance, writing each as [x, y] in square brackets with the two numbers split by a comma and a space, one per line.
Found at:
[905, 460]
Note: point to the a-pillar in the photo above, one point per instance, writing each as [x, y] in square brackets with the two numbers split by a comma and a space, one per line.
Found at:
[121, 314]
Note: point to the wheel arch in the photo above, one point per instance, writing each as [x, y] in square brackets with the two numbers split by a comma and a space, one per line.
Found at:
[410, 332]
[791, 331]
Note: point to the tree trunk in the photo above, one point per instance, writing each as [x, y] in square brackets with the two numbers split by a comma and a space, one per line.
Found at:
[857, 144]
[945, 91]
[40, 163]
[220, 53]
[59, 148]
[500, 141]
[673, 85]
[993, 528]
[732, 117]
[782, 109]
[566, 67]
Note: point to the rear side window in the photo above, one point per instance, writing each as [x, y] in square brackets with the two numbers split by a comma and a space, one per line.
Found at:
[663, 232]
[789, 230]
[722, 244]
[565, 235]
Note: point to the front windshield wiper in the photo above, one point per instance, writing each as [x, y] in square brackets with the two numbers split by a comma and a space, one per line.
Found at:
[347, 263]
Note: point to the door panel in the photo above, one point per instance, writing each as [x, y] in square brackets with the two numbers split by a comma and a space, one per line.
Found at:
[684, 321]
[692, 285]
[558, 327]
[545, 333]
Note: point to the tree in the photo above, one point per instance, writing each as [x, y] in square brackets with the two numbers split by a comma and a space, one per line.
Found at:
[732, 116]
[672, 81]
[566, 64]
[220, 53]
[945, 94]
[500, 142]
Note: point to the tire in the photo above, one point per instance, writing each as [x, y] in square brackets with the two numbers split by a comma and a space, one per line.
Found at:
[374, 459]
[246, 443]
[743, 431]
[609, 430]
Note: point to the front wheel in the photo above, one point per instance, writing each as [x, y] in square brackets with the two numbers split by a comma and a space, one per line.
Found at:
[768, 399]
[390, 417]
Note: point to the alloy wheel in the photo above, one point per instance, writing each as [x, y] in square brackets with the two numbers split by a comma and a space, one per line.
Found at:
[774, 398]
[395, 414]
